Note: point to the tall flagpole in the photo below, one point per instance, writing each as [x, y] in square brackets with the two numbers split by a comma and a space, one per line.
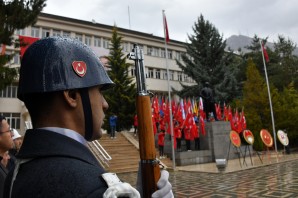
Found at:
[169, 90]
[269, 95]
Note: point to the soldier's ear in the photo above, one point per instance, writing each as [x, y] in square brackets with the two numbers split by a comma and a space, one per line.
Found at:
[72, 97]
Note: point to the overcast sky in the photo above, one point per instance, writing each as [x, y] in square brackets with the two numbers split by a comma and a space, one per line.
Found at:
[231, 17]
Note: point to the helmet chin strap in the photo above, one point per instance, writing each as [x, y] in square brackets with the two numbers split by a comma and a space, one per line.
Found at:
[87, 113]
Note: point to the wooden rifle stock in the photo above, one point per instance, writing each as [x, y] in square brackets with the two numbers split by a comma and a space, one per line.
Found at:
[149, 164]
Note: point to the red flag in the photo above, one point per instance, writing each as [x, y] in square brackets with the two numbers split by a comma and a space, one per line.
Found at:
[265, 53]
[154, 124]
[25, 42]
[166, 31]
[243, 120]
[202, 126]
[226, 113]
[2, 49]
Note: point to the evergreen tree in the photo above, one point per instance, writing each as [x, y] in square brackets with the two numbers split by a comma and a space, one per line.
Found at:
[286, 115]
[15, 14]
[121, 98]
[283, 65]
[207, 61]
[286, 66]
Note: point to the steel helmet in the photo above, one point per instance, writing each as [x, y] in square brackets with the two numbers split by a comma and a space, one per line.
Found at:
[60, 63]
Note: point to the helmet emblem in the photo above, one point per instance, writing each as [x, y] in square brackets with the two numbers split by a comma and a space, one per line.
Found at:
[79, 67]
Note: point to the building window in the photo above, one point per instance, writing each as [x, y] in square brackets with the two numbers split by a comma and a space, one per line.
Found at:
[16, 59]
[170, 54]
[79, 37]
[125, 47]
[162, 53]
[97, 42]
[66, 34]
[133, 71]
[157, 73]
[56, 33]
[13, 119]
[35, 32]
[106, 43]
[186, 79]
[179, 76]
[171, 75]
[164, 74]
[178, 56]
[45, 33]
[20, 32]
[152, 51]
[9, 92]
[88, 40]
[150, 73]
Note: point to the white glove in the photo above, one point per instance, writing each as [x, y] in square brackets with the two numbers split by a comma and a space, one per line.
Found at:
[164, 186]
[118, 188]
[121, 190]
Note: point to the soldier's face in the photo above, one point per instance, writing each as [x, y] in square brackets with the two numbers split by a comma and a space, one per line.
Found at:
[98, 105]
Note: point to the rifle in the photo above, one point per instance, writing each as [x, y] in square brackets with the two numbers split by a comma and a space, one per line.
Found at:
[149, 164]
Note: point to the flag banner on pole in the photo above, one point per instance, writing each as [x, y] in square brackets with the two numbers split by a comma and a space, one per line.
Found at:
[265, 53]
[25, 42]
[166, 31]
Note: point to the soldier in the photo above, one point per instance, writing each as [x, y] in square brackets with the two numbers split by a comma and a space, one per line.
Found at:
[61, 84]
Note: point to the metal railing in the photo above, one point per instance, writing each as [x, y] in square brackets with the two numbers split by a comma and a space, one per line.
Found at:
[100, 153]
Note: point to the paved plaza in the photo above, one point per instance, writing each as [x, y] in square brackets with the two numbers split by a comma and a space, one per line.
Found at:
[270, 179]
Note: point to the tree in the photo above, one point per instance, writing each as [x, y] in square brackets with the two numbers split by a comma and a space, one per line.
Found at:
[256, 102]
[121, 98]
[207, 61]
[286, 115]
[286, 65]
[283, 65]
[15, 14]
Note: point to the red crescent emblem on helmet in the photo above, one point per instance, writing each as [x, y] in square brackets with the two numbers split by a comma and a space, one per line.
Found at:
[79, 67]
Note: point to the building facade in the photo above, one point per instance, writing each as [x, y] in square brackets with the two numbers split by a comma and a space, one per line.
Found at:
[98, 37]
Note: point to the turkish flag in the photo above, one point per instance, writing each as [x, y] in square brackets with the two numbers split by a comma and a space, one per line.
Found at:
[265, 53]
[166, 31]
[25, 42]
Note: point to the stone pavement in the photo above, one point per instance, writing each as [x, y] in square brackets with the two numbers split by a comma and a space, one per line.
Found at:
[276, 177]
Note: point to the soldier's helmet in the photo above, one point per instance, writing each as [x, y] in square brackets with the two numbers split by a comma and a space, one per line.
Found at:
[58, 63]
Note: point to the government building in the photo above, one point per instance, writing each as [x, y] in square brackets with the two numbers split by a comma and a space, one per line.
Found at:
[98, 37]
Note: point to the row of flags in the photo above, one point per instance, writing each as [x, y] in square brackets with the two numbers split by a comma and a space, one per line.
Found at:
[189, 113]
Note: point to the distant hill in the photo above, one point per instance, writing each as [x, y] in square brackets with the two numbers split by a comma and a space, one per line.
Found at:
[235, 42]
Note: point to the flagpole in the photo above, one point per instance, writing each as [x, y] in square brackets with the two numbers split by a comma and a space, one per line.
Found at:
[169, 90]
[269, 95]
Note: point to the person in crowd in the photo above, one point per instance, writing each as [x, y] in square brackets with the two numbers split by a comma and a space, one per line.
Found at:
[135, 124]
[208, 101]
[197, 136]
[17, 141]
[178, 135]
[6, 143]
[161, 143]
[113, 124]
[62, 83]
[187, 137]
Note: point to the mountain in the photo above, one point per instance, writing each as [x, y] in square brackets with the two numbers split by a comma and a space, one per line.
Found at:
[235, 42]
